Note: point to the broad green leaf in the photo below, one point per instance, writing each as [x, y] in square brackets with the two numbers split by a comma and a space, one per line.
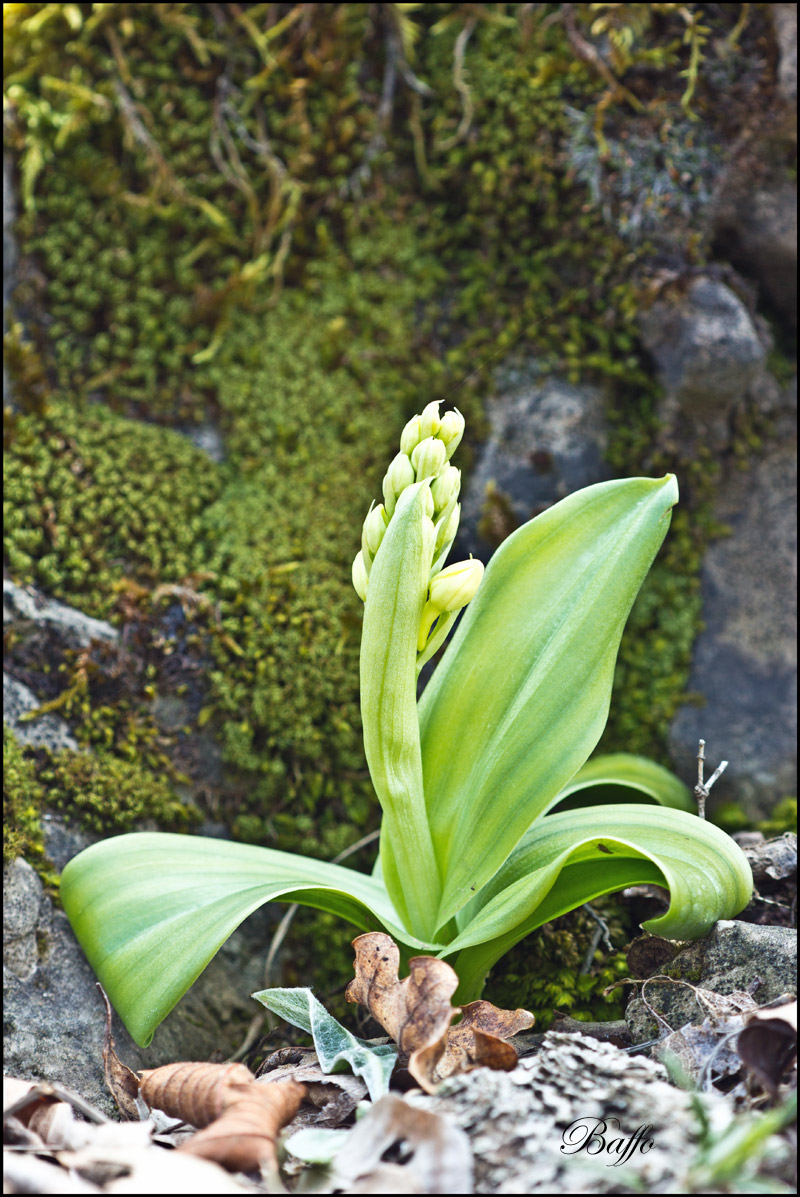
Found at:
[570, 857]
[521, 696]
[334, 1044]
[624, 777]
[396, 596]
[151, 909]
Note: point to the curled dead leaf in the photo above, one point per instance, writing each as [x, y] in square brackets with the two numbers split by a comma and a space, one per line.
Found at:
[121, 1081]
[414, 1011]
[767, 1045]
[240, 1119]
[417, 1013]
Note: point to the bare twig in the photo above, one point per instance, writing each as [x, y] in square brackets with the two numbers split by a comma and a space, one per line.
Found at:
[462, 89]
[601, 932]
[701, 790]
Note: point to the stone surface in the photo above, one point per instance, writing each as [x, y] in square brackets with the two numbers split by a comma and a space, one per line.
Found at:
[784, 17]
[46, 731]
[729, 960]
[75, 630]
[208, 438]
[517, 1122]
[744, 663]
[707, 353]
[53, 1016]
[22, 897]
[546, 439]
[765, 243]
[753, 215]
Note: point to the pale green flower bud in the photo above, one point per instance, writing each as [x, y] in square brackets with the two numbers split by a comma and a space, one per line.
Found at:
[399, 475]
[360, 577]
[451, 430]
[430, 536]
[445, 487]
[446, 529]
[449, 591]
[374, 528]
[428, 458]
[429, 420]
[410, 436]
[455, 586]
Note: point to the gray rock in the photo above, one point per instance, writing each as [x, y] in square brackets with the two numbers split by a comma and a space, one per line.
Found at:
[754, 223]
[707, 353]
[171, 712]
[53, 1015]
[731, 959]
[529, 1128]
[745, 661]
[766, 243]
[546, 439]
[76, 630]
[46, 731]
[784, 17]
[22, 897]
[22, 893]
[207, 438]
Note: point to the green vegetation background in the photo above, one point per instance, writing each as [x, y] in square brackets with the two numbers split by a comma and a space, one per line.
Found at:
[301, 223]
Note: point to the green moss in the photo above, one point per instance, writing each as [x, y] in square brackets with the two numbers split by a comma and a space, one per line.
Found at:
[91, 498]
[22, 796]
[782, 819]
[543, 973]
[731, 818]
[107, 795]
[98, 792]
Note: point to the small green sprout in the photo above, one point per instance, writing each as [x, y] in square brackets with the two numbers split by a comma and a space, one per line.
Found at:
[474, 854]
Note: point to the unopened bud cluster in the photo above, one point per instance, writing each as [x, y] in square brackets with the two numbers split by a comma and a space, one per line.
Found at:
[427, 444]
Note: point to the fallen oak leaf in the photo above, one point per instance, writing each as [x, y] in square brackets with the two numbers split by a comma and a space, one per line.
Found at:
[479, 1039]
[417, 1013]
[239, 1120]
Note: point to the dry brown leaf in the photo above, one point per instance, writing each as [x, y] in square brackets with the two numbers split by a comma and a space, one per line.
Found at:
[121, 1081]
[768, 1043]
[191, 1091]
[479, 1039]
[329, 1099]
[417, 1013]
[436, 1154]
[44, 1112]
[240, 1119]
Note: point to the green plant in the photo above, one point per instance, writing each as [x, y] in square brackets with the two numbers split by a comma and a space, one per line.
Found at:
[472, 857]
